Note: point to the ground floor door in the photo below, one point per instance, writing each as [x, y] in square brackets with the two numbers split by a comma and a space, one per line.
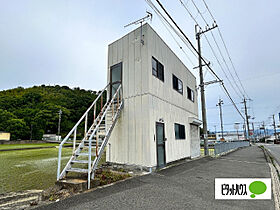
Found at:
[160, 140]
[195, 141]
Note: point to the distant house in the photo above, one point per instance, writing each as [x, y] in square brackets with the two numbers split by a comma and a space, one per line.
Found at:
[5, 136]
[51, 137]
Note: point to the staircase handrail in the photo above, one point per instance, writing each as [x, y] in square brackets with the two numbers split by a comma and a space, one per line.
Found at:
[84, 115]
[73, 129]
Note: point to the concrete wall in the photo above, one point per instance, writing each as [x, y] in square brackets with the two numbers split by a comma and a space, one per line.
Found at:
[147, 99]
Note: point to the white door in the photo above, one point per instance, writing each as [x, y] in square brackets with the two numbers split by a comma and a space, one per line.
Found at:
[195, 142]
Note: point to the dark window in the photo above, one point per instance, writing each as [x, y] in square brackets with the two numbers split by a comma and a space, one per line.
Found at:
[190, 94]
[177, 84]
[157, 69]
[179, 131]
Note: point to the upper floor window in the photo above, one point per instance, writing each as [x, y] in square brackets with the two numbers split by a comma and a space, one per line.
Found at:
[190, 94]
[177, 84]
[179, 131]
[158, 69]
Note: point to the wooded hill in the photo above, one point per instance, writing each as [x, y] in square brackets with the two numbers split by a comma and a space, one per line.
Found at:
[28, 113]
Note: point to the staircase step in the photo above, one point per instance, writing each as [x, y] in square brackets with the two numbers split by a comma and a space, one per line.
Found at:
[85, 154]
[100, 135]
[78, 170]
[92, 146]
[80, 161]
[92, 141]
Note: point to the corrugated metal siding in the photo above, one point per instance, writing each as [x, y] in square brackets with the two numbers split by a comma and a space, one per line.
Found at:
[147, 99]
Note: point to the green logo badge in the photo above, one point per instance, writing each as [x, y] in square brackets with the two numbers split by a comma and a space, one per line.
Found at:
[257, 188]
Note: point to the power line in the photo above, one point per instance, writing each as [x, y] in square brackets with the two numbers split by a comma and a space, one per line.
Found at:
[164, 21]
[225, 105]
[170, 25]
[167, 23]
[215, 55]
[192, 46]
[220, 52]
[221, 36]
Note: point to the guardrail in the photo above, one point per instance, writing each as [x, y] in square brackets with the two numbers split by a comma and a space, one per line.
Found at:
[224, 147]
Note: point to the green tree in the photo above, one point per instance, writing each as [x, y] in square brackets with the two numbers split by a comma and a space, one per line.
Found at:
[17, 128]
[37, 109]
[5, 116]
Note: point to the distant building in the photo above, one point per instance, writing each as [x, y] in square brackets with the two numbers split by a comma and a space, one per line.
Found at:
[51, 137]
[230, 136]
[212, 136]
[5, 136]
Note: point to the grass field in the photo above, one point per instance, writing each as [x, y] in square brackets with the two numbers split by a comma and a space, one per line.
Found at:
[29, 169]
[22, 146]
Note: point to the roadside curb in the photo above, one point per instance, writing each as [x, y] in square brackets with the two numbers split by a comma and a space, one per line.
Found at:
[274, 169]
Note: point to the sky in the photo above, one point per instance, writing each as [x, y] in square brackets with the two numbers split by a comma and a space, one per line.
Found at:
[65, 42]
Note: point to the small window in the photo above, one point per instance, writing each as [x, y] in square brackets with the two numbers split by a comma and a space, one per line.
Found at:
[190, 94]
[157, 69]
[177, 84]
[179, 131]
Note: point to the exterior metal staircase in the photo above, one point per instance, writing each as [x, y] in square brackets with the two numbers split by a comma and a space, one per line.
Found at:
[87, 152]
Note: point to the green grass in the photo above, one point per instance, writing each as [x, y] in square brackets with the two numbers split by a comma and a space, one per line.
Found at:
[29, 169]
[23, 146]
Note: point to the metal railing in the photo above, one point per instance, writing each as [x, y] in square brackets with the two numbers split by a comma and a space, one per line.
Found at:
[89, 133]
[224, 147]
[84, 119]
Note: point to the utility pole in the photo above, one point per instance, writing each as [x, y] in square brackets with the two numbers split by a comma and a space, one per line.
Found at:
[236, 126]
[244, 130]
[202, 88]
[59, 121]
[264, 130]
[253, 127]
[247, 119]
[274, 125]
[220, 103]
[31, 130]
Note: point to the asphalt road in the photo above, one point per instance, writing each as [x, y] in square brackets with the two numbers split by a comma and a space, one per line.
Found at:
[274, 149]
[189, 185]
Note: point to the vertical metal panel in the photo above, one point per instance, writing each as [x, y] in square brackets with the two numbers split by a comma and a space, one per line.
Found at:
[131, 61]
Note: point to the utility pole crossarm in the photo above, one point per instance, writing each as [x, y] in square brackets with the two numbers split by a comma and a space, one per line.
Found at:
[212, 82]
